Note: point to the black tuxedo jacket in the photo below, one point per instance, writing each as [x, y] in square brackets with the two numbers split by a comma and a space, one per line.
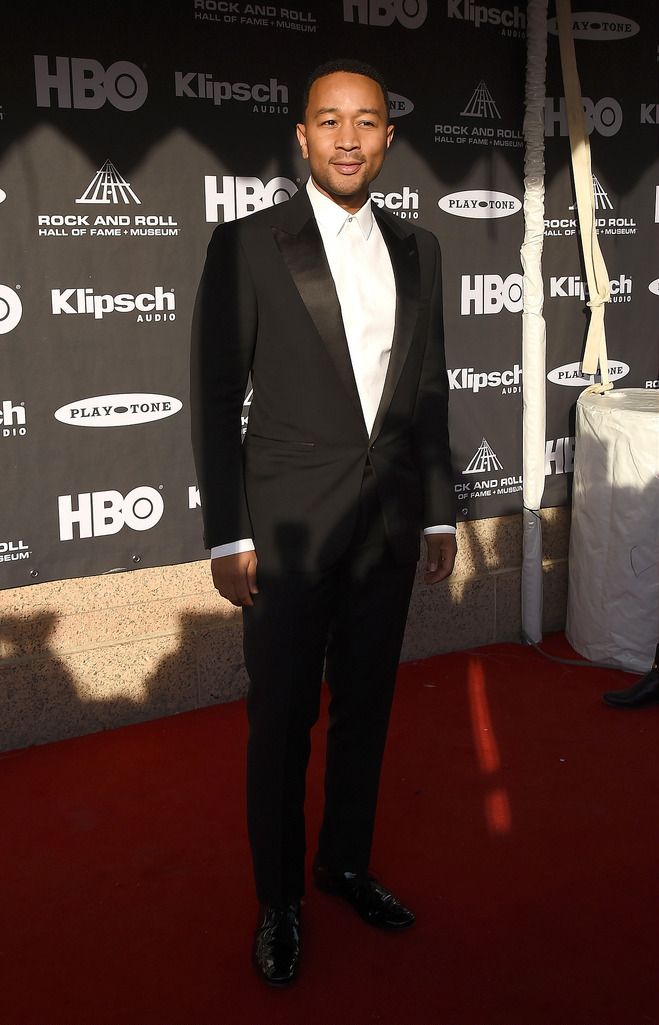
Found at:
[267, 305]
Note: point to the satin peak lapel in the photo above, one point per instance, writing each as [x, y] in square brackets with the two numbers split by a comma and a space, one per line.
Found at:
[305, 258]
[405, 262]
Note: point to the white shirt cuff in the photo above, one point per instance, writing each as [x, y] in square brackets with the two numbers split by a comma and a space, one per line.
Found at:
[443, 528]
[232, 548]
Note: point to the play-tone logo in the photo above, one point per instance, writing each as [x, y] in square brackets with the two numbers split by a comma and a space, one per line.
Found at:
[399, 105]
[654, 286]
[85, 84]
[572, 376]
[118, 410]
[479, 203]
[408, 13]
[11, 309]
[598, 26]
[3, 195]
[241, 196]
[100, 513]
[490, 293]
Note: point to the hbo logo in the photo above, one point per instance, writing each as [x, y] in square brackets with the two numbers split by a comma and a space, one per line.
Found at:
[83, 83]
[106, 512]
[490, 293]
[241, 196]
[604, 116]
[410, 13]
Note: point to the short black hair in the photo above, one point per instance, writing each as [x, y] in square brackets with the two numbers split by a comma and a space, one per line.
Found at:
[353, 67]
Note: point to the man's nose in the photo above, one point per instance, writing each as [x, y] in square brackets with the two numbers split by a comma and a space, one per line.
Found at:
[347, 138]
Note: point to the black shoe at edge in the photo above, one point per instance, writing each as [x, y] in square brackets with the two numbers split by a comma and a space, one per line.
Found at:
[372, 901]
[277, 944]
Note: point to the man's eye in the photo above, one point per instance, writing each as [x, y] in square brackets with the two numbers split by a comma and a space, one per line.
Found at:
[368, 124]
[329, 121]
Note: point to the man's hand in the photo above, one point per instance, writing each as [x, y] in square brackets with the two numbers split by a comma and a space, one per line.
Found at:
[234, 577]
[442, 550]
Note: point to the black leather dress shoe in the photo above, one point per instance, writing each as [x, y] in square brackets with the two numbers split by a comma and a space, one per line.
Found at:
[644, 692]
[277, 944]
[372, 901]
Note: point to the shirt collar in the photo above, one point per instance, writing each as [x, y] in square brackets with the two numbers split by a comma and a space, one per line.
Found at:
[331, 217]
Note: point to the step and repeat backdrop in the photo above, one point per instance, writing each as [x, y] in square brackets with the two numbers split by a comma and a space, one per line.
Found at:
[129, 132]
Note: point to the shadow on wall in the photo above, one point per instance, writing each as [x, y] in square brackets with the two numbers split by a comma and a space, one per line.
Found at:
[64, 676]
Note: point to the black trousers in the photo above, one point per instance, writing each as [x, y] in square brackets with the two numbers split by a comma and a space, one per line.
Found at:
[350, 617]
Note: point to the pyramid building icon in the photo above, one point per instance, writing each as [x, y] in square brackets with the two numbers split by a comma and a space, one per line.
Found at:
[484, 460]
[108, 186]
[481, 103]
[602, 201]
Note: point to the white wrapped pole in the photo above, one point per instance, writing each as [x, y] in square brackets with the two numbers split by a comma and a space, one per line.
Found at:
[533, 324]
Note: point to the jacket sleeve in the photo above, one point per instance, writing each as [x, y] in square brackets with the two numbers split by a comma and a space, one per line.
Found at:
[431, 437]
[223, 338]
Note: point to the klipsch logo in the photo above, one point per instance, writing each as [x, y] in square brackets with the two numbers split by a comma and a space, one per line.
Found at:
[571, 374]
[13, 420]
[595, 25]
[107, 187]
[106, 512]
[85, 84]
[479, 203]
[468, 379]
[484, 465]
[118, 410]
[156, 306]
[266, 98]
[228, 12]
[408, 13]
[11, 309]
[405, 203]
[511, 22]
[603, 116]
[240, 196]
[490, 293]
[14, 551]
[479, 108]
[573, 287]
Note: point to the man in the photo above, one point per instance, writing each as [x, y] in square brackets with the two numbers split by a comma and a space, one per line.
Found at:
[335, 308]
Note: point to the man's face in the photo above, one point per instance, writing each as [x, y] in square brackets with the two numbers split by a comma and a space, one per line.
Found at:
[345, 136]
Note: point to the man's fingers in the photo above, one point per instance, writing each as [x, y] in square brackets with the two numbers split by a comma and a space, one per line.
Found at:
[442, 550]
[234, 576]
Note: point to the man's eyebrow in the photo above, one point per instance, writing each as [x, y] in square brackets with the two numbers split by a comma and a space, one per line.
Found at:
[336, 110]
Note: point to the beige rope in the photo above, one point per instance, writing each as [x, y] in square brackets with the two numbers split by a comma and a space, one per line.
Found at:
[596, 273]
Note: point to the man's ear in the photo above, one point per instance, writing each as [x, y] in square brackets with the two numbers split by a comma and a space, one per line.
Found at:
[301, 133]
[390, 134]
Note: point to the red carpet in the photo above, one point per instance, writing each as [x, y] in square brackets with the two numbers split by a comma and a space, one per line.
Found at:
[518, 818]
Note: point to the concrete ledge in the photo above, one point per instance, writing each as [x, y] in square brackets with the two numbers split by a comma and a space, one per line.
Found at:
[82, 655]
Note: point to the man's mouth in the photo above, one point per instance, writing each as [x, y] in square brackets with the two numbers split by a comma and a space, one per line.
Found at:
[347, 166]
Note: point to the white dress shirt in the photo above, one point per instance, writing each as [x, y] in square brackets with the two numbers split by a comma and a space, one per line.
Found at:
[366, 288]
